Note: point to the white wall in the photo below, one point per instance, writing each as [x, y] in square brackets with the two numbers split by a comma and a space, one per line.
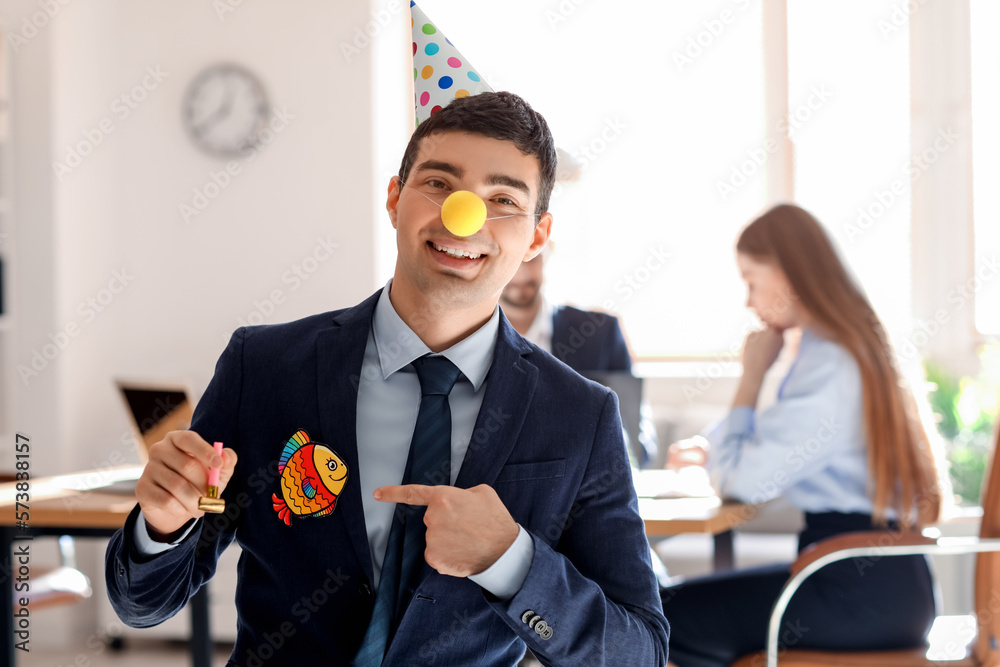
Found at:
[321, 177]
[190, 283]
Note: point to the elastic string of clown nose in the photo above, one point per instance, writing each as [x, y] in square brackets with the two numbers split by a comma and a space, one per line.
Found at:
[462, 212]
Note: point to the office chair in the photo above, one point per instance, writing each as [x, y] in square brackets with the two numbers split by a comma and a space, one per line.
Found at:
[986, 647]
[62, 585]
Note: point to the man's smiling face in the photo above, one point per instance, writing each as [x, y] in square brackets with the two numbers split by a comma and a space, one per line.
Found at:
[465, 272]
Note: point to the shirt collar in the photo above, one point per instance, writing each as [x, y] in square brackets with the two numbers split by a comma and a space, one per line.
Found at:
[398, 346]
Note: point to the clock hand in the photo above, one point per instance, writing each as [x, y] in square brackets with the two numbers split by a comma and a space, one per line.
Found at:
[222, 113]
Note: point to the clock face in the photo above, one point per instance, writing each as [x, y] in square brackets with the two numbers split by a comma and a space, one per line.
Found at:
[225, 108]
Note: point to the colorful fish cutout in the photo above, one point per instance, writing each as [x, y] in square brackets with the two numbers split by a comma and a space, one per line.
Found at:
[312, 477]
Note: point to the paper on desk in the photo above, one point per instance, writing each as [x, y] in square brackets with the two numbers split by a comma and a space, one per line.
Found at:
[688, 482]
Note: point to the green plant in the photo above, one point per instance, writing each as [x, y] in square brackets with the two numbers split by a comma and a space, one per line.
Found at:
[965, 409]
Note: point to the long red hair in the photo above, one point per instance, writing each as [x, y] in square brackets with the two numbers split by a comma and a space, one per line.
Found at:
[902, 469]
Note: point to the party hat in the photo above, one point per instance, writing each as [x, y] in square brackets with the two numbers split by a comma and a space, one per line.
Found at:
[440, 73]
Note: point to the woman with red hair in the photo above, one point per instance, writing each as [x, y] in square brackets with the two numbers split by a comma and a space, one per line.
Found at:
[843, 442]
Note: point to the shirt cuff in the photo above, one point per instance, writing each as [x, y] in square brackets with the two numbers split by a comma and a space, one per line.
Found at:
[740, 421]
[504, 578]
[147, 546]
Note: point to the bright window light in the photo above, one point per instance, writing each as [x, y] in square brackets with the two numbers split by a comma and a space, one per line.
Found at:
[849, 67]
[950, 637]
[662, 103]
[985, 168]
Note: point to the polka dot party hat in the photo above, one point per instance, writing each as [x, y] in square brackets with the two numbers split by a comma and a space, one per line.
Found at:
[440, 72]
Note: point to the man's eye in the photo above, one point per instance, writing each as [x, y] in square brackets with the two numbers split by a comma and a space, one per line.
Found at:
[437, 185]
[505, 201]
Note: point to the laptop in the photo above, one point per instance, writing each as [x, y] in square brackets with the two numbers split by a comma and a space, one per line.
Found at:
[154, 409]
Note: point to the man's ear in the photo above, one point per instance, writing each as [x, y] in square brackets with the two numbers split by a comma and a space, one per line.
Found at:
[541, 236]
[392, 199]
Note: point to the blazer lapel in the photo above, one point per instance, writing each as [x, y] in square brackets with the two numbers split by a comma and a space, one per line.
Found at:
[510, 386]
[340, 353]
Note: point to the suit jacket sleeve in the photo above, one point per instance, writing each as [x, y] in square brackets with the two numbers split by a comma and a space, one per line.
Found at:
[146, 591]
[596, 590]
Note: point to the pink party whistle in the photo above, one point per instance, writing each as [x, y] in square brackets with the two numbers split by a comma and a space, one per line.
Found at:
[211, 502]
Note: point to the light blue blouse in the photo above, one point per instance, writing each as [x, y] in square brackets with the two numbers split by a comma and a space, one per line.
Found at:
[810, 446]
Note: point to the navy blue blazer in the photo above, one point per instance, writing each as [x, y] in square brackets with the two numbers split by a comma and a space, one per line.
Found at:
[547, 440]
[588, 340]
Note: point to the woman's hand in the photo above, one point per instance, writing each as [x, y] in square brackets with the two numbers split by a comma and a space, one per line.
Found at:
[687, 452]
[760, 350]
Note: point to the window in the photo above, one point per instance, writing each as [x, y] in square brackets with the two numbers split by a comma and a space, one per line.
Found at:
[848, 79]
[663, 105]
[666, 107]
[985, 168]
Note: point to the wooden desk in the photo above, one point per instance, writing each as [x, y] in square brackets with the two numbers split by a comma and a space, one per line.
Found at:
[74, 505]
[700, 512]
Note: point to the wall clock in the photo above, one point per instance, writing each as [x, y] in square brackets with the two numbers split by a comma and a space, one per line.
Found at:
[225, 109]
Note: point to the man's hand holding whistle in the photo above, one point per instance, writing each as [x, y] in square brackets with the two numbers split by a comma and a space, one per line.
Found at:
[176, 478]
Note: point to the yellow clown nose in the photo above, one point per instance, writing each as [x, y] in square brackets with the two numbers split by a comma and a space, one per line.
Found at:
[463, 213]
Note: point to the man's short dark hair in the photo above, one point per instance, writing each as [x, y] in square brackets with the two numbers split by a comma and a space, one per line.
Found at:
[504, 116]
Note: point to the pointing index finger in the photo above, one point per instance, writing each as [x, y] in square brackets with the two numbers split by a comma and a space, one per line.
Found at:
[408, 494]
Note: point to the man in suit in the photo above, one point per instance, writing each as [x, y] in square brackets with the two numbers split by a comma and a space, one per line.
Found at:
[533, 538]
[584, 340]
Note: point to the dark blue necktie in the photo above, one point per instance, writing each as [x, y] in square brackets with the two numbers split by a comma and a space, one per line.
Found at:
[429, 462]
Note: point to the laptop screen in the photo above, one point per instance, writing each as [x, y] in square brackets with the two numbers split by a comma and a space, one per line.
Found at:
[150, 406]
[155, 409]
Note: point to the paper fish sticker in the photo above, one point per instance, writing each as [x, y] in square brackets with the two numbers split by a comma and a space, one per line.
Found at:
[312, 477]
